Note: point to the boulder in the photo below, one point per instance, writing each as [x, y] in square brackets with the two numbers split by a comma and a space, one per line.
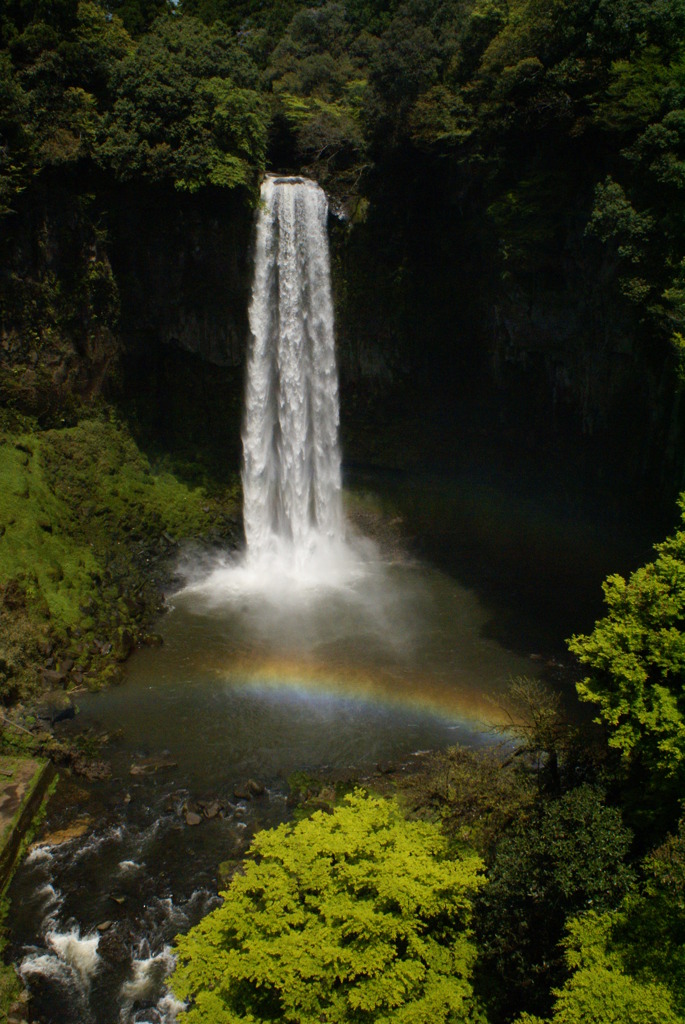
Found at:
[65, 714]
[51, 677]
[94, 771]
[249, 789]
[64, 835]
[150, 765]
[111, 946]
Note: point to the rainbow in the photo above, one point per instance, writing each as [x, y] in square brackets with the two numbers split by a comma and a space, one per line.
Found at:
[309, 677]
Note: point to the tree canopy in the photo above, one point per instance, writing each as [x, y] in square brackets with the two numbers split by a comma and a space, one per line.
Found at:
[635, 657]
[628, 964]
[185, 110]
[568, 857]
[358, 915]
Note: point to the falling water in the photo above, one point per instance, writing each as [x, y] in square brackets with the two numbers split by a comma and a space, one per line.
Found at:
[291, 467]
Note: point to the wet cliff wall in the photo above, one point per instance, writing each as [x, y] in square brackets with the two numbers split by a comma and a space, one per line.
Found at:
[543, 362]
[59, 303]
[183, 264]
[132, 295]
[142, 294]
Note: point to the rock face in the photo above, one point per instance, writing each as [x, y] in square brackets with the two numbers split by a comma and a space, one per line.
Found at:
[59, 304]
[154, 307]
[545, 364]
[183, 265]
[167, 272]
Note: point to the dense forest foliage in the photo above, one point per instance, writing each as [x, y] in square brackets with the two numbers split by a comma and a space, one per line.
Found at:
[562, 122]
[553, 133]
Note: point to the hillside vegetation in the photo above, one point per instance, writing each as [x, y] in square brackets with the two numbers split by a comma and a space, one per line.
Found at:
[86, 527]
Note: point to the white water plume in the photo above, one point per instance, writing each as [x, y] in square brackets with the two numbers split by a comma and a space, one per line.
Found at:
[51, 901]
[296, 545]
[148, 975]
[301, 579]
[79, 953]
[67, 968]
[39, 854]
[291, 459]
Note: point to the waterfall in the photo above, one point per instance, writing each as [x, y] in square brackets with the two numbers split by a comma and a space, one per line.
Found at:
[297, 543]
[291, 457]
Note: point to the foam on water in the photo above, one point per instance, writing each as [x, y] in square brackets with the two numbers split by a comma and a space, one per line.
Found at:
[38, 854]
[79, 952]
[68, 975]
[148, 975]
[67, 968]
[282, 575]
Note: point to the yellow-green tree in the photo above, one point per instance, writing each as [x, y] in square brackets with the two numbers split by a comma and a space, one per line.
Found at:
[635, 660]
[359, 915]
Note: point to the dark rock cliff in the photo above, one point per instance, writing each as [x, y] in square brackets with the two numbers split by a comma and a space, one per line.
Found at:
[143, 293]
[547, 365]
[59, 303]
[183, 264]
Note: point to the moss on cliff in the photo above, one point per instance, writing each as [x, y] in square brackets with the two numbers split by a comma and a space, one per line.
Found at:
[85, 523]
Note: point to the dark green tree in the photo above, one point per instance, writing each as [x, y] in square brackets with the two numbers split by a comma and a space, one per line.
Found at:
[187, 110]
[15, 137]
[568, 858]
[65, 77]
[629, 964]
[317, 75]
[138, 15]
[17, 15]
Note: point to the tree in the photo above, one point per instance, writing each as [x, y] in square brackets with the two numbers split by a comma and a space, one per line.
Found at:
[268, 18]
[476, 794]
[568, 858]
[138, 15]
[354, 916]
[17, 14]
[187, 110]
[14, 137]
[629, 964]
[636, 660]
[317, 76]
[639, 210]
[61, 75]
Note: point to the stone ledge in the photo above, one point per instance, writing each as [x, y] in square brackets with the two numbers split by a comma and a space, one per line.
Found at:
[23, 785]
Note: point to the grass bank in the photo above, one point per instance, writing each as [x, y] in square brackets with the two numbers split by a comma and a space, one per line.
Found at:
[86, 523]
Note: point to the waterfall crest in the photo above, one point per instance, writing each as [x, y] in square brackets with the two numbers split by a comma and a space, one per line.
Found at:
[291, 456]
